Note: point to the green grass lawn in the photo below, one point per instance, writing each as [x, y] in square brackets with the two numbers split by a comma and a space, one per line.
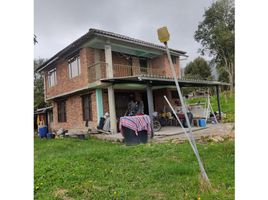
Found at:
[227, 104]
[93, 169]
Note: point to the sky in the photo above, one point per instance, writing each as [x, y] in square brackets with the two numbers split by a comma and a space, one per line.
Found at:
[57, 23]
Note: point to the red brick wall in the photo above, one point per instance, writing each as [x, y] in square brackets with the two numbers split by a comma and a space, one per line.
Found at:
[117, 59]
[74, 114]
[160, 102]
[158, 63]
[64, 83]
[162, 64]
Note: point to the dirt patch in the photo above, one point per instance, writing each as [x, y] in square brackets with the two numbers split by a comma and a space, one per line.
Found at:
[62, 194]
[157, 195]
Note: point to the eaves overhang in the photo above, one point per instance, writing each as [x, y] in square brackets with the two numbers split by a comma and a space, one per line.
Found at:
[74, 46]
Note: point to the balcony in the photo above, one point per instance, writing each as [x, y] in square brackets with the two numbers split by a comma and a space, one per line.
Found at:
[97, 71]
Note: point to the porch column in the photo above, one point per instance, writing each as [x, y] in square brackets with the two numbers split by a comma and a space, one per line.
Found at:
[108, 60]
[109, 74]
[99, 103]
[150, 102]
[218, 100]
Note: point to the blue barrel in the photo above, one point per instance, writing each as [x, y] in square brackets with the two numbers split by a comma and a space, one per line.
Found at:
[42, 130]
[202, 122]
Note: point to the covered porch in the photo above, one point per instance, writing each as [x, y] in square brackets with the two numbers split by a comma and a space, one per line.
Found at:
[151, 83]
[150, 88]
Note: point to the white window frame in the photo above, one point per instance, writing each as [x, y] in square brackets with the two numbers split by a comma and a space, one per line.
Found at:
[74, 67]
[52, 78]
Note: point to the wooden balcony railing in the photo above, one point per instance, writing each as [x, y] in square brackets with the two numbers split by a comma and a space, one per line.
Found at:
[98, 71]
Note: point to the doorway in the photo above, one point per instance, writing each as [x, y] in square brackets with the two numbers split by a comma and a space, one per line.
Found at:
[122, 99]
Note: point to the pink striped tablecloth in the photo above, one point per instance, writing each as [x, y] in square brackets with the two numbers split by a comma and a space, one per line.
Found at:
[136, 123]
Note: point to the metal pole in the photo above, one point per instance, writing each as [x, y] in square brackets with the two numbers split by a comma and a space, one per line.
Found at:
[203, 172]
[213, 113]
[218, 101]
[207, 108]
[150, 104]
[186, 133]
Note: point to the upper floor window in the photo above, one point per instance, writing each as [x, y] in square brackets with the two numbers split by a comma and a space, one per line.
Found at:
[74, 67]
[52, 77]
[143, 62]
[129, 61]
[174, 59]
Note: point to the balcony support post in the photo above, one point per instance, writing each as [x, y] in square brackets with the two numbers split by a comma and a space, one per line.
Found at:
[111, 99]
[218, 101]
[99, 103]
[108, 60]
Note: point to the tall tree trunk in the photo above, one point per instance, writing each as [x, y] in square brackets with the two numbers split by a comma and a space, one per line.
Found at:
[231, 83]
[230, 76]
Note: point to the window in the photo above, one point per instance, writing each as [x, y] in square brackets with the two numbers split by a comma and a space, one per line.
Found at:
[52, 77]
[74, 67]
[143, 65]
[86, 106]
[174, 59]
[50, 114]
[143, 62]
[62, 111]
[129, 61]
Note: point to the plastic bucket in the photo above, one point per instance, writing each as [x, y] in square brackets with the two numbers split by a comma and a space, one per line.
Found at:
[202, 122]
[42, 130]
[50, 136]
[130, 137]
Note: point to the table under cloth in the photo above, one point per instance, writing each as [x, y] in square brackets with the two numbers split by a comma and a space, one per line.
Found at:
[136, 123]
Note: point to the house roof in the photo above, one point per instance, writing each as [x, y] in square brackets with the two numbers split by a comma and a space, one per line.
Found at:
[156, 80]
[96, 32]
[43, 110]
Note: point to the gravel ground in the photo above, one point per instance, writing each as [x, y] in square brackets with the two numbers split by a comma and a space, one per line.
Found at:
[217, 133]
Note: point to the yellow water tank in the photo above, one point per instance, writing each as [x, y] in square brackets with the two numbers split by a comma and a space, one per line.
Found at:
[163, 34]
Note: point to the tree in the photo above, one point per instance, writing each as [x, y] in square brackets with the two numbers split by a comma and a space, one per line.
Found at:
[35, 40]
[39, 100]
[216, 35]
[198, 69]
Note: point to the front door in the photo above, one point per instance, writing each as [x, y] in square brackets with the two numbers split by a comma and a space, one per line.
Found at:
[121, 102]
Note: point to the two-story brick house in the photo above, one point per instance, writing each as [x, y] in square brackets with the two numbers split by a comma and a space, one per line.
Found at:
[97, 73]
